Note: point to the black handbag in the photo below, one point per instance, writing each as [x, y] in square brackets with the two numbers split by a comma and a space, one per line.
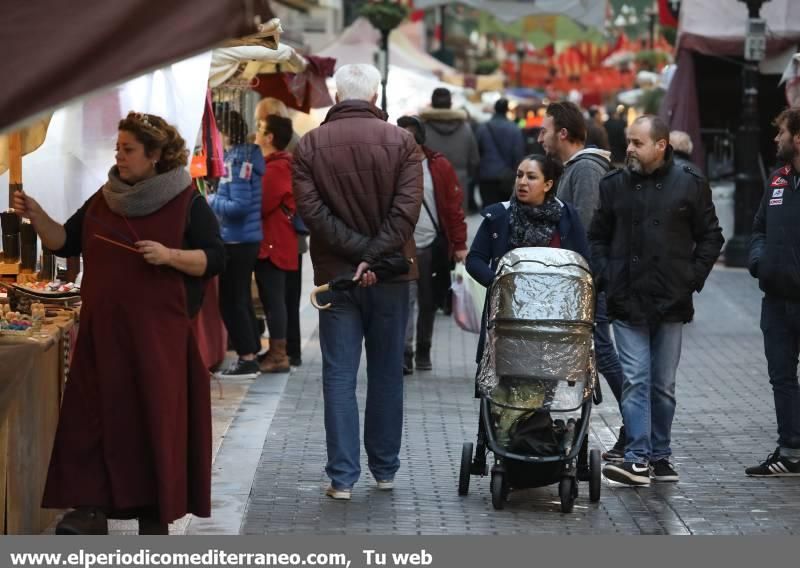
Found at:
[440, 262]
[297, 223]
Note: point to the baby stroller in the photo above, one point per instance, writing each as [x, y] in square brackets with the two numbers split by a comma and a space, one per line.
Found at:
[537, 363]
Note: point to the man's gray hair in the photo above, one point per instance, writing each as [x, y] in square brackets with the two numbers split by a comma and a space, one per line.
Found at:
[680, 141]
[357, 81]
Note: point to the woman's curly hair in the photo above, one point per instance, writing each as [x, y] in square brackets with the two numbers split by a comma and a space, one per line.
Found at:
[155, 133]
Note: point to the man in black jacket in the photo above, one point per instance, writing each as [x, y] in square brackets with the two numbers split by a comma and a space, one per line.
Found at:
[654, 241]
[775, 261]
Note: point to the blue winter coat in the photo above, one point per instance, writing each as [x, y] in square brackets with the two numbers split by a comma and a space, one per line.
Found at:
[502, 147]
[492, 242]
[237, 202]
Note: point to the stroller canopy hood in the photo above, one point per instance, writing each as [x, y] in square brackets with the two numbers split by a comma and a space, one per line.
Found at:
[539, 283]
[539, 320]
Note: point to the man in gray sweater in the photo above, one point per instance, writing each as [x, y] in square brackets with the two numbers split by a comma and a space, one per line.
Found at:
[447, 130]
[563, 136]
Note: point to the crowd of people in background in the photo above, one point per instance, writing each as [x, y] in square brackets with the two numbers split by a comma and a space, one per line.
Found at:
[557, 176]
[384, 207]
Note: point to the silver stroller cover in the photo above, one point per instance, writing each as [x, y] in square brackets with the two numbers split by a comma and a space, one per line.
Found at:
[540, 315]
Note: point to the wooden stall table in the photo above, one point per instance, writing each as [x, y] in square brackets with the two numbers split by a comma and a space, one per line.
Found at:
[32, 374]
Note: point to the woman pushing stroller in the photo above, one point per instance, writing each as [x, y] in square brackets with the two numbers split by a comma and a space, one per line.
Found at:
[534, 217]
[535, 353]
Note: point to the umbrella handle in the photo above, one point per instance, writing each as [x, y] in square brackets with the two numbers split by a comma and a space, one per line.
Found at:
[318, 290]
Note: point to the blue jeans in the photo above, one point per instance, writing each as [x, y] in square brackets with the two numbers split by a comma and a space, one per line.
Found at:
[377, 316]
[605, 353]
[649, 355]
[780, 324]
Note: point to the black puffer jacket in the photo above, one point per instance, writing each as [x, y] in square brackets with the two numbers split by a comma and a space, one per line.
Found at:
[775, 245]
[654, 241]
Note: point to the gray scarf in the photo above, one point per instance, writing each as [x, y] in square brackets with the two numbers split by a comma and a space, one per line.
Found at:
[144, 197]
[533, 226]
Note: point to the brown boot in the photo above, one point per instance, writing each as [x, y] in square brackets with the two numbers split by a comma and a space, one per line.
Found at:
[277, 361]
[83, 521]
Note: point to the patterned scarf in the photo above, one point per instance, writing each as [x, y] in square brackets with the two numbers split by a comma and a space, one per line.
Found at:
[533, 226]
[144, 197]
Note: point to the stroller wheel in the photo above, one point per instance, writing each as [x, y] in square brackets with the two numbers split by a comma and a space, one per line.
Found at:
[498, 489]
[464, 473]
[594, 482]
[567, 491]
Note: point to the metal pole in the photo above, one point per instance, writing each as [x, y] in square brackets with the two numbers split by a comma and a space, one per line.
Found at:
[748, 180]
[385, 74]
[15, 165]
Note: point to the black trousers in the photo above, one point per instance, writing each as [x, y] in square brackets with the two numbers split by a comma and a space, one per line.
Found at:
[780, 324]
[294, 282]
[421, 293]
[271, 283]
[235, 301]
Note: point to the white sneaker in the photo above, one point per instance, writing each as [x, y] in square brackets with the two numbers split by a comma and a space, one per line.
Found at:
[385, 484]
[338, 494]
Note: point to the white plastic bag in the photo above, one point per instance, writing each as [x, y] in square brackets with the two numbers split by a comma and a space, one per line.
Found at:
[468, 299]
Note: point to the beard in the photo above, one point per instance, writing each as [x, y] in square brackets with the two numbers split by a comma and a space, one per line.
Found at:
[634, 164]
[786, 153]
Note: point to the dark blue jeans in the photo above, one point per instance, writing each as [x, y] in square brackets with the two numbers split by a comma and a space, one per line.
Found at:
[376, 316]
[780, 324]
[605, 352]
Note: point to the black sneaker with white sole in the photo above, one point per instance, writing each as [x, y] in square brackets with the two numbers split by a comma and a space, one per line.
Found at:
[775, 466]
[241, 370]
[662, 470]
[629, 473]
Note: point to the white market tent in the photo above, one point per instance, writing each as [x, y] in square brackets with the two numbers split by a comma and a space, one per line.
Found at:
[590, 13]
[359, 44]
[74, 157]
[74, 160]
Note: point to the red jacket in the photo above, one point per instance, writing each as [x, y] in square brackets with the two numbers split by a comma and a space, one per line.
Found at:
[449, 198]
[277, 205]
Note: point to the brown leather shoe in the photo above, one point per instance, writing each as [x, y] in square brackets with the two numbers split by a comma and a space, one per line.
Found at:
[83, 521]
[276, 361]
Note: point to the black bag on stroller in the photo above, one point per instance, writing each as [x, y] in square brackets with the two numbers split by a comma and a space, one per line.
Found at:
[535, 433]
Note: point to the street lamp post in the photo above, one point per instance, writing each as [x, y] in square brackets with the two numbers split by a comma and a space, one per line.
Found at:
[651, 26]
[383, 65]
[521, 50]
[748, 181]
[384, 15]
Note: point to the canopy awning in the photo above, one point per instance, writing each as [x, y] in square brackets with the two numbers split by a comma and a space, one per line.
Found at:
[57, 51]
[253, 60]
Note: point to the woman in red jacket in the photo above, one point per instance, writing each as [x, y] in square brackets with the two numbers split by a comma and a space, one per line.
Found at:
[278, 253]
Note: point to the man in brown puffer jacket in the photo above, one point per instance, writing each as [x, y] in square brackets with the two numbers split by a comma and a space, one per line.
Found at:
[358, 186]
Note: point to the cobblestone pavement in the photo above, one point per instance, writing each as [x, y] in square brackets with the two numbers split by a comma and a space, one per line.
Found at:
[725, 421]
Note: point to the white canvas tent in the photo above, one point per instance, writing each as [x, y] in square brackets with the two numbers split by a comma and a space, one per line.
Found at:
[359, 44]
[74, 160]
[590, 13]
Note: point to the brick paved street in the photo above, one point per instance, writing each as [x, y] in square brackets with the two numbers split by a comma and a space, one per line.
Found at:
[724, 422]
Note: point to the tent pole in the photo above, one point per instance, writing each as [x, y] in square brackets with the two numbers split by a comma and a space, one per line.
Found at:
[14, 165]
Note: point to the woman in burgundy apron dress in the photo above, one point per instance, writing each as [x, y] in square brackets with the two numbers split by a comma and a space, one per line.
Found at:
[134, 433]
